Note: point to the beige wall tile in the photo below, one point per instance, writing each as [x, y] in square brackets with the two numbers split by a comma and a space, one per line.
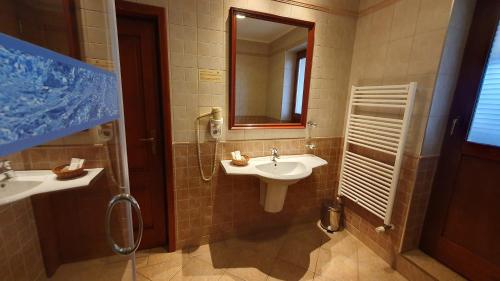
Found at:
[94, 5]
[364, 4]
[380, 27]
[426, 52]
[433, 15]
[397, 58]
[373, 62]
[405, 19]
[95, 19]
[272, 7]
[363, 29]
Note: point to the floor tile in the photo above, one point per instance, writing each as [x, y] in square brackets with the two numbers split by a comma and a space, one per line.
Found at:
[303, 252]
[220, 255]
[318, 277]
[337, 265]
[229, 277]
[79, 271]
[372, 267]
[141, 261]
[160, 271]
[250, 265]
[289, 272]
[118, 271]
[197, 269]
[432, 266]
[174, 258]
[299, 254]
[341, 241]
[311, 236]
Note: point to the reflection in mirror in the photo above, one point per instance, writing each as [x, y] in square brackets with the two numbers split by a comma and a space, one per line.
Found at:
[50, 24]
[269, 70]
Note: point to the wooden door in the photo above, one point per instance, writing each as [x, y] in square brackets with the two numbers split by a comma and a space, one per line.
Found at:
[139, 47]
[462, 227]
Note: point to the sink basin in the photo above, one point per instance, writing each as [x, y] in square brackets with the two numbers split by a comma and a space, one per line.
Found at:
[276, 177]
[28, 183]
[285, 172]
[16, 187]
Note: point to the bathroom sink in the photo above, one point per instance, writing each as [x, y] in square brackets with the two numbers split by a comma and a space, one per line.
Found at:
[287, 167]
[17, 187]
[286, 172]
[275, 177]
[28, 183]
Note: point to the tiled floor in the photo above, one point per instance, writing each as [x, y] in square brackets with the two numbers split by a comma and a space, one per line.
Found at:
[432, 267]
[303, 252]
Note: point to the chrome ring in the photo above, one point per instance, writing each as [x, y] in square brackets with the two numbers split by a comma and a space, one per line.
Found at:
[114, 201]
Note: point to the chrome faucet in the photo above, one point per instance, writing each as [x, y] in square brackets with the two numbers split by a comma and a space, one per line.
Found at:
[274, 155]
[6, 171]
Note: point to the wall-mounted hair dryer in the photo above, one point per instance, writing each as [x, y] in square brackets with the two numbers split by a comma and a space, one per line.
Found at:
[103, 133]
[216, 122]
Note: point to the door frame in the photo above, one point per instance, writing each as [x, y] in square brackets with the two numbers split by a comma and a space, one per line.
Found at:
[157, 14]
[475, 58]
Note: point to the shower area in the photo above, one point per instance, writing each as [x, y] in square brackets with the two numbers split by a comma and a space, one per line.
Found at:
[60, 100]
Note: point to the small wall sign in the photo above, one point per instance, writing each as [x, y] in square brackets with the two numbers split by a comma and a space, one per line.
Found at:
[210, 75]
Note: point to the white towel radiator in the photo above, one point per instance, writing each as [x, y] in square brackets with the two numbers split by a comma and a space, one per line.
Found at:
[364, 179]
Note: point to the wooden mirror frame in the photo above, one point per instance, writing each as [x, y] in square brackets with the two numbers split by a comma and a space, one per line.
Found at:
[69, 8]
[232, 68]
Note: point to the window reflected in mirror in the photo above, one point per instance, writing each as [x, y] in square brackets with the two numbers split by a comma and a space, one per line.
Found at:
[269, 70]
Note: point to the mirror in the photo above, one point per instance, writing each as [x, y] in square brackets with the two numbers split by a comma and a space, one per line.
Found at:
[51, 24]
[270, 70]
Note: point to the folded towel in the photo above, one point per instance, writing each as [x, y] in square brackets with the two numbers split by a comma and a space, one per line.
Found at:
[237, 154]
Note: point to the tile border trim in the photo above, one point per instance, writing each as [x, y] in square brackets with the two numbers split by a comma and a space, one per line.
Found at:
[340, 11]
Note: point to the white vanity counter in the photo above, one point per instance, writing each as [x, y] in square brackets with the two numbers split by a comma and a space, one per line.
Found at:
[27, 183]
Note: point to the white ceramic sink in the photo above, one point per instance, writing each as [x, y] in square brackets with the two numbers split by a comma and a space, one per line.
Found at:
[27, 183]
[14, 187]
[276, 176]
[286, 172]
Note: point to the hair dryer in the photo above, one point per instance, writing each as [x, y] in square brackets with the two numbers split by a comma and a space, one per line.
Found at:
[216, 122]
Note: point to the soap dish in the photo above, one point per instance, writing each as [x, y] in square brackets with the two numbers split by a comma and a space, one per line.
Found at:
[242, 162]
[66, 174]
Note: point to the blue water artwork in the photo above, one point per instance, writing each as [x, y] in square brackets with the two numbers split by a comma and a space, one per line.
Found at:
[45, 95]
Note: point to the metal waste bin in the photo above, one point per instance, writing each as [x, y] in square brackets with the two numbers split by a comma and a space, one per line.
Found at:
[331, 213]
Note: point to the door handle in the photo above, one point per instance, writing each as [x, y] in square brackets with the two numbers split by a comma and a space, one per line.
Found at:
[152, 141]
[112, 203]
[453, 125]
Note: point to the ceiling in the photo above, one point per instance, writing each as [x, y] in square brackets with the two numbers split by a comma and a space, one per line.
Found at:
[260, 30]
